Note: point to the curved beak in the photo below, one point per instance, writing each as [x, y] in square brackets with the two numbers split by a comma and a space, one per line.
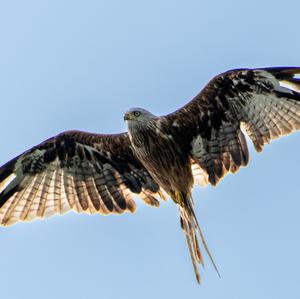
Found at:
[127, 116]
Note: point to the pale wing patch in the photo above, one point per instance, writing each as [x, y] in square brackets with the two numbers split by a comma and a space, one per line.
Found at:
[57, 191]
[200, 176]
[74, 170]
[269, 117]
[7, 181]
[289, 85]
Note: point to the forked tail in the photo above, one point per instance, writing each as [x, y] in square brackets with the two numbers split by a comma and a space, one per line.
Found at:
[190, 227]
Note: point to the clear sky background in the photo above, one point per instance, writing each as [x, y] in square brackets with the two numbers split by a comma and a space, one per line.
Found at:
[80, 65]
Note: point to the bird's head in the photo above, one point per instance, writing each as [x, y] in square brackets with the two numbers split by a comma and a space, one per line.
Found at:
[138, 115]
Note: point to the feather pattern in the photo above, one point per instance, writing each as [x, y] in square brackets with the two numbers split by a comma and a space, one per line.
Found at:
[265, 102]
[159, 156]
[74, 171]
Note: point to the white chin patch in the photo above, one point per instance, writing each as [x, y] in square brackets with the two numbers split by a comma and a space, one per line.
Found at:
[6, 182]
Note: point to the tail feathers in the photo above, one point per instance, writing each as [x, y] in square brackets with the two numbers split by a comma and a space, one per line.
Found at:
[192, 242]
[190, 227]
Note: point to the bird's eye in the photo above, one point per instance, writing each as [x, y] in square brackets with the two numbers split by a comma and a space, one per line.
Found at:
[137, 113]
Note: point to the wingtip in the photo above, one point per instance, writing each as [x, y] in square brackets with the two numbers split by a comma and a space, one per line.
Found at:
[283, 73]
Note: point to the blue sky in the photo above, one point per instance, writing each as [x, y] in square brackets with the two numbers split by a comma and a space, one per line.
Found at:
[80, 65]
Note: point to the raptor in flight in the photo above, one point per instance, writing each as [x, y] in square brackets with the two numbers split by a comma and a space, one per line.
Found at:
[159, 156]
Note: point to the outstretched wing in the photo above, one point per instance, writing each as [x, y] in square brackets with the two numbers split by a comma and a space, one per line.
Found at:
[266, 102]
[74, 171]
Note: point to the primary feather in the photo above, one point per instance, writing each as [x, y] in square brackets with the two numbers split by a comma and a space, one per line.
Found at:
[159, 156]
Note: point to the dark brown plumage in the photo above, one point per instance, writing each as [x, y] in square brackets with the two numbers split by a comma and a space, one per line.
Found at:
[158, 156]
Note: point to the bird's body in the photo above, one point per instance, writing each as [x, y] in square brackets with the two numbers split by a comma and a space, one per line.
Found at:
[161, 143]
[159, 156]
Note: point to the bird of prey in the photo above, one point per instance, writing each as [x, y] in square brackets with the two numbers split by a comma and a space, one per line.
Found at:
[159, 156]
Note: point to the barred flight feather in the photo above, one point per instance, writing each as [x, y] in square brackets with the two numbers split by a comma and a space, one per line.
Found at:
[158, 157]
[73, 171]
